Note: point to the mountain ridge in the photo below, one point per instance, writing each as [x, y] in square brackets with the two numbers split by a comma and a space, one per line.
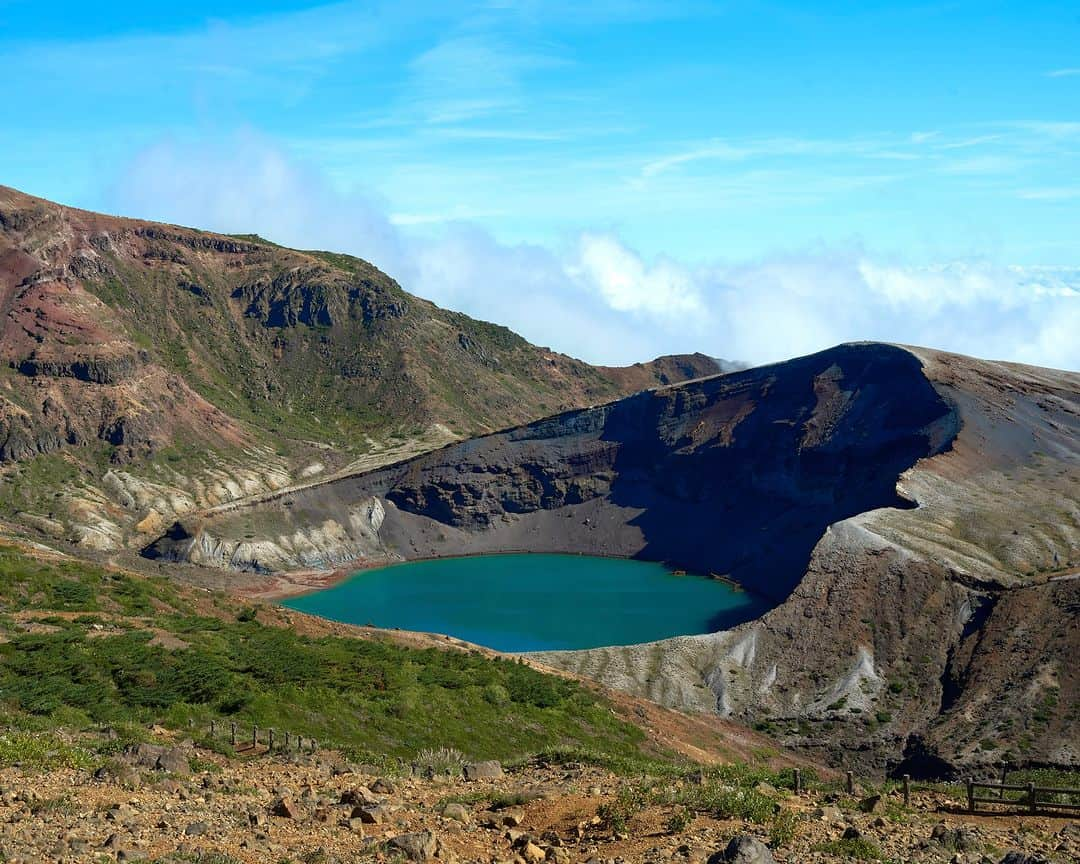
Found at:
[270, 365]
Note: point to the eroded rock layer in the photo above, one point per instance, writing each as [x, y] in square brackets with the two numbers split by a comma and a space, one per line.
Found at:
[735, 475]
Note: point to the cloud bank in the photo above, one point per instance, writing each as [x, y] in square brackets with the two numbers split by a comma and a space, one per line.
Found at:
[597, 298]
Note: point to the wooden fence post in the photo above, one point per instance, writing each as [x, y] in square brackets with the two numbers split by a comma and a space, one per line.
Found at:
[971, 795]
[286, 740]
[798, 781]
[907, 790]
[213, 728]
[850, 783]
[254, 735]
[1031, 797]
[233, 736]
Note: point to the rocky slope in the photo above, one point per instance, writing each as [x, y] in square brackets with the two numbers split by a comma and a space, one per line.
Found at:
[149, 804]
[150, 370]
[913, 514]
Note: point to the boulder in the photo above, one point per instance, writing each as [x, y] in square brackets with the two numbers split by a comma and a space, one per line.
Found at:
[383, 787]
[870, 804]
[489, 770]
[371, 815]
[457, 812]
[146, 755]
[1015, 857]
[743, 849]
[829, 813]
[959, 839]
[361, 796]
[173, 761]
[417, 846]
[286, 808]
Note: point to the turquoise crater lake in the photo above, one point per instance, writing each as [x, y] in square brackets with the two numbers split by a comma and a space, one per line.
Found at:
[535, 602]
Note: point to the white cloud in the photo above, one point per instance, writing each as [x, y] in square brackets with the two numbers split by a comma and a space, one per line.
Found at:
[598, 298]
[244, 184]
[1063, 73]
[465, 77]
[1050, 193]
[717, 151]
[628, 284]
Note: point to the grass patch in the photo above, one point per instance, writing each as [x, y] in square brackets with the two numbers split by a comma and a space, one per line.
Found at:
[42, 751]
[859, 848]
[782, 829]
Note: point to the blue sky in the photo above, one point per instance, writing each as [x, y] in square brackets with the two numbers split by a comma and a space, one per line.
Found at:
[614, 178]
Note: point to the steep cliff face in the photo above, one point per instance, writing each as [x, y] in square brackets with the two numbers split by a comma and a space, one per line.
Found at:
[736, 475]
[894, 628]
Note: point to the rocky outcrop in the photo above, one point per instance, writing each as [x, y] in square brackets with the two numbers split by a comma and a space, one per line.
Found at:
[93, 370]
[21, 438]
[327, 544]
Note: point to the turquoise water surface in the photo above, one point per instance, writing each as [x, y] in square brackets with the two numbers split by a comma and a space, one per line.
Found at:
[535, 602]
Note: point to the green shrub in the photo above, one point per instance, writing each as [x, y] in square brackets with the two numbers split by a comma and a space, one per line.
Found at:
[41, 751]
[441, 760]
[679, 820]
[364, 696]
[747, 804]
[861, 848]
[628, 802]
[782, 828]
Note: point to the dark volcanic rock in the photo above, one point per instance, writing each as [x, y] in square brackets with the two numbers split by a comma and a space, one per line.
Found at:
[743, 849]
[737, 475]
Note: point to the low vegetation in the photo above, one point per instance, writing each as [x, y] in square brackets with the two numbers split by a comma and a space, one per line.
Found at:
[729, 792]
[87, 648]
[851, 847]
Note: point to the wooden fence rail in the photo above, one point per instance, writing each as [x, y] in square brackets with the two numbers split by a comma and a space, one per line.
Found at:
[1035, 797]
[292, 742]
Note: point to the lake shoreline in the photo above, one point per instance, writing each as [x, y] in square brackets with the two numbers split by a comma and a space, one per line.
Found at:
[515, 602]
[285, 584]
